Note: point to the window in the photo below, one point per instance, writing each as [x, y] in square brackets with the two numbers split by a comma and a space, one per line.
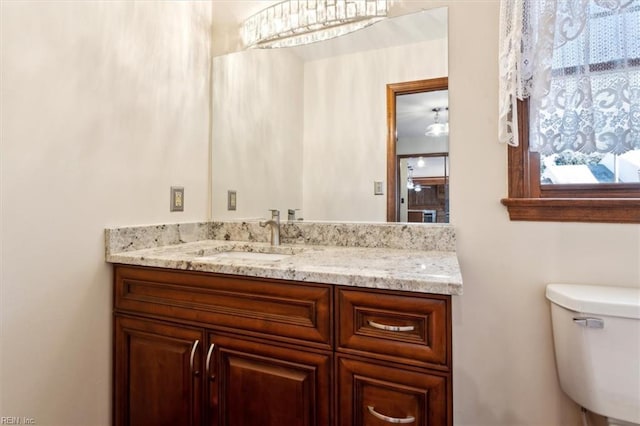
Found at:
[578, 126]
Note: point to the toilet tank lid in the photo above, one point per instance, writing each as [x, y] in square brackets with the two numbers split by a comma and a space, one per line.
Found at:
[596, 299]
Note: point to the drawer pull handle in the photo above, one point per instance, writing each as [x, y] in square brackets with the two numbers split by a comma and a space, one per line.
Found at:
[193, 355]
[208, 363]
[374, 413]
[391, 327]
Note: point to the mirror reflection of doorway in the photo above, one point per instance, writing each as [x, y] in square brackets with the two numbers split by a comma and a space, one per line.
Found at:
[417, 151]
[424, 188]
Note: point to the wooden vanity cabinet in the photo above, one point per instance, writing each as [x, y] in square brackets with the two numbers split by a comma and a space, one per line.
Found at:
[208, 349]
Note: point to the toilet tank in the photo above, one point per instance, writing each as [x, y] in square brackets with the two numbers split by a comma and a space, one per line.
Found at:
[596, 335]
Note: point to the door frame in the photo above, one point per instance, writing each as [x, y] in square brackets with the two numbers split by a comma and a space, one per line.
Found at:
[393, 90]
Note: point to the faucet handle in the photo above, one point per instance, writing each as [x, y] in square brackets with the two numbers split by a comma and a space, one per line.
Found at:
[275, 213]
[291, 214]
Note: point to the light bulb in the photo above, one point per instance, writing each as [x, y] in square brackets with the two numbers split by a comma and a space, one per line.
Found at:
[409, 184]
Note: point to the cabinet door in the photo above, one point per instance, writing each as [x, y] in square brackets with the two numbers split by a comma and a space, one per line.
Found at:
[259, 384]
[375, 395]
[157, 374]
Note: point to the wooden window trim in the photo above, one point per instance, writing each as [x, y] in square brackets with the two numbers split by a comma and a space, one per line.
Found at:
[528, 200]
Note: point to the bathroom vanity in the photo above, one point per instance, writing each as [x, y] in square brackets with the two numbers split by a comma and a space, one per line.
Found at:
[214, 326]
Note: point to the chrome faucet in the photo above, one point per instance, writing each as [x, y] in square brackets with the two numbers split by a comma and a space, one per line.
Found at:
[274, 223]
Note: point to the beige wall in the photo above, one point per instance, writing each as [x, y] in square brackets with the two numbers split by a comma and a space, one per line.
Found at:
[503, 355]
[257, 133]
[104, 105]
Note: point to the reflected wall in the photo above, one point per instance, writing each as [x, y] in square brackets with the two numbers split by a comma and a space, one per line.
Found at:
[308, 135]
[345, 134]
[257, 132]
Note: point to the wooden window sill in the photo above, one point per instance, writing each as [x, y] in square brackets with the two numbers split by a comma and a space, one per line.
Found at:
[608, 210]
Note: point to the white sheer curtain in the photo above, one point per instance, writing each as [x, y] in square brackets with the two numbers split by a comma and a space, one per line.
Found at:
[578, 62]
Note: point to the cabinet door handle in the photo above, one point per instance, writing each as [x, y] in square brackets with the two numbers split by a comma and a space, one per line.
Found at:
[391, 327]
[193, 355]
[374, 413]
[208, 363]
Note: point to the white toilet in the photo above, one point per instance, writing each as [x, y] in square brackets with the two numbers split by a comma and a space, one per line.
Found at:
[596, 334]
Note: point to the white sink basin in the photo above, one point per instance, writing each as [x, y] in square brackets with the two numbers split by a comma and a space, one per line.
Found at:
[248, 255]
[247, 252]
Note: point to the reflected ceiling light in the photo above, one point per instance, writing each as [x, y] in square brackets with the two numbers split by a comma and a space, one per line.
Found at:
[410, 184]
[296, 22]
[437, 128]
[420, 162]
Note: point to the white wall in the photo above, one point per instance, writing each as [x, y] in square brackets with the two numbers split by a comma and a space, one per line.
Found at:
[345, 129]
[257, 132]
[104, 105]
[424, 145]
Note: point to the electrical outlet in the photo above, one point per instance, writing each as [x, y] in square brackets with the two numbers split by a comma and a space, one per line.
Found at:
[377, 188]
[231, 200]
[177, 199]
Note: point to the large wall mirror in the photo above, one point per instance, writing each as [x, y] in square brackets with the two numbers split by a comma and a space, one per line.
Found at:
[306, 127]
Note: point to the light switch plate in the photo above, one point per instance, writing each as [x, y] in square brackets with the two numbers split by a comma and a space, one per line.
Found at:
[177, 199]
[377, 188]
[231, 200]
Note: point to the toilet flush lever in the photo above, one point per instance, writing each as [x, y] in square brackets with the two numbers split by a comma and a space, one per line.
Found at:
[589, 322]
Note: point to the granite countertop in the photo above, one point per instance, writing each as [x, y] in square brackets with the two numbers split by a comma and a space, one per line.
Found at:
[304, 256]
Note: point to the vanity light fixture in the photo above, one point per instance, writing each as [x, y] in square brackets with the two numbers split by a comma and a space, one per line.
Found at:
[297, 22]
[437, 128]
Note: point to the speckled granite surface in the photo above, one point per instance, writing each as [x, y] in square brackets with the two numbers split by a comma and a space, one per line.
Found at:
[343, 234]
[419, 258]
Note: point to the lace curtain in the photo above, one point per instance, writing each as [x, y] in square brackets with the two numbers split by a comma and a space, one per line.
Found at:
[578, 62]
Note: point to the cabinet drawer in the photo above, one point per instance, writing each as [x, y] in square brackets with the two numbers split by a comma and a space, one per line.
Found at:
[410, 329]
[275, 308]
[376, 395]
